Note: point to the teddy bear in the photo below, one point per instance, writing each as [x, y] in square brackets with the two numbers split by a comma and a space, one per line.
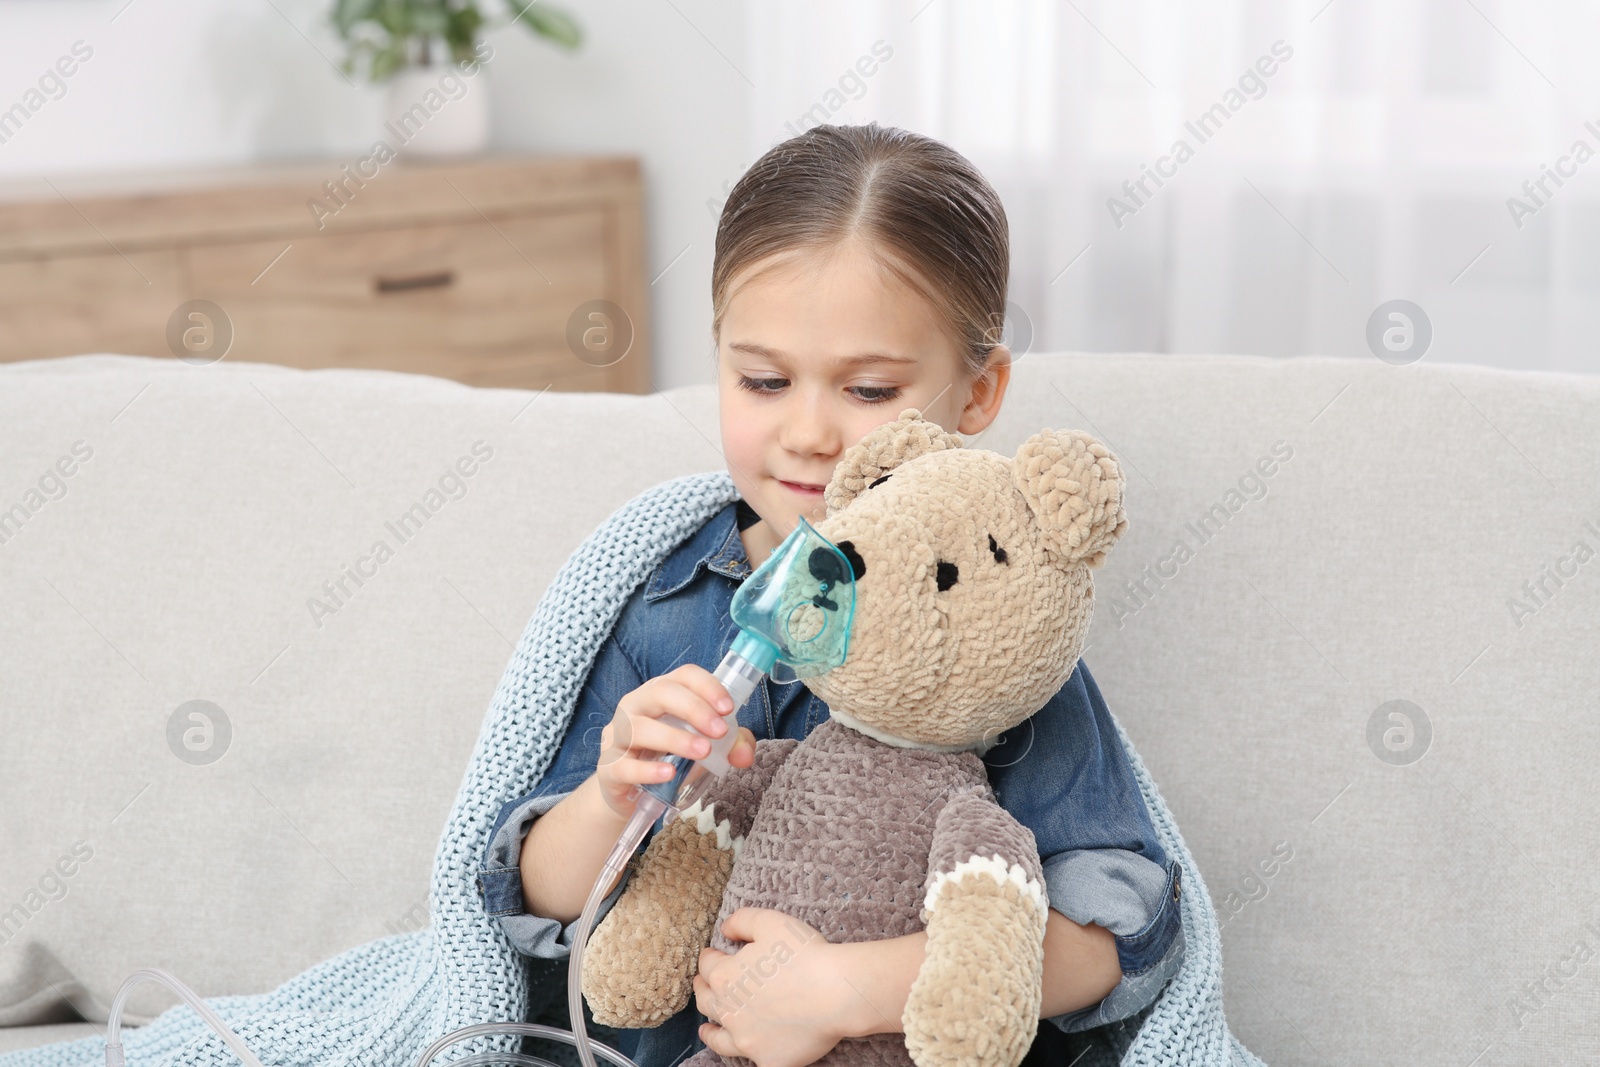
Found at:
[973, 598]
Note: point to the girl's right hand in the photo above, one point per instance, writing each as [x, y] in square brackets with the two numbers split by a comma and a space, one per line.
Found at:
[633, 742]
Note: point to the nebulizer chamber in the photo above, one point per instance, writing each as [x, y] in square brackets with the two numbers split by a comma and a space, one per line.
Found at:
[794, 614]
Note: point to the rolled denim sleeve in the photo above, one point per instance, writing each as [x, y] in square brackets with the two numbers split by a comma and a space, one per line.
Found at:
[1066, 776]
[615, 673]
[1138, 902]
[500, 882]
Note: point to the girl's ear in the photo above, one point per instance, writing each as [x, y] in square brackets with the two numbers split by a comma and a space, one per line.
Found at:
[881, 451]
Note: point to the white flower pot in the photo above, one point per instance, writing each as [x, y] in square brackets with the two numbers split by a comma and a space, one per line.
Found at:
[437, 112]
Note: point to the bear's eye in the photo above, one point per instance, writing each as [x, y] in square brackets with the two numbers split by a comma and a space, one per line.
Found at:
[947, 575]
[999, 553]
[878, 481]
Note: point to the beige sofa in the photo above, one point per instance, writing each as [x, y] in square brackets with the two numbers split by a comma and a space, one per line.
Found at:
[1311, 541]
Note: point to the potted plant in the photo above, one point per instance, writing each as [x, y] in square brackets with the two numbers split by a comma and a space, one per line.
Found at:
[427, 53]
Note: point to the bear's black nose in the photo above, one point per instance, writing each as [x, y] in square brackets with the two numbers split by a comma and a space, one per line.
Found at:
[825, 565]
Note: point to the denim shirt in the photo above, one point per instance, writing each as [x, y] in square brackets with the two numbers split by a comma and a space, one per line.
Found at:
[1062, 773]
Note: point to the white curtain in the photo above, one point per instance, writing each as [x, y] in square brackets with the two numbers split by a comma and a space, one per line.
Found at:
[1339, 155]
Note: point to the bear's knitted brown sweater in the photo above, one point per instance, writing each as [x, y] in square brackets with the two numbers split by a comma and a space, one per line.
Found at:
[858, 838]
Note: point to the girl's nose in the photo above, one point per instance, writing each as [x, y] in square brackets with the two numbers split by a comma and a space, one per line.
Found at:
[806, 432]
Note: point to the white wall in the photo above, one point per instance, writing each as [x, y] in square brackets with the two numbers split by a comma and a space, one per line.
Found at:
[174, 83]
[698, 88]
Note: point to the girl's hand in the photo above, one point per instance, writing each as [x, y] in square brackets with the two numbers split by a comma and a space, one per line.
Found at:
[636, 732]
[780, 999]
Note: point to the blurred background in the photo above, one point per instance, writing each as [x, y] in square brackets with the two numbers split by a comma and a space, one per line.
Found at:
[1336, 154]
[526, 195]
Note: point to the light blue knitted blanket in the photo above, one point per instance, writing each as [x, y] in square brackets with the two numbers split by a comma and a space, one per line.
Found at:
[381, 1004]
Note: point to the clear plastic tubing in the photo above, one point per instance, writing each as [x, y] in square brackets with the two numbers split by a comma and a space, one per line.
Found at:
[114, 1057]
[740, 677]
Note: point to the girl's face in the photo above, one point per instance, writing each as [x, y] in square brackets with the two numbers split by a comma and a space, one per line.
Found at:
[815, 349]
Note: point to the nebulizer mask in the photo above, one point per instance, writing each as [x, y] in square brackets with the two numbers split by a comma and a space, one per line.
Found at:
[794, 614]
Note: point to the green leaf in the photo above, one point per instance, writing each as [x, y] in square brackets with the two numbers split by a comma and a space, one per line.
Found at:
[462, 31]
[346, 13]
[551, 23]
[388, 60]
[431, 22]
[396, 17]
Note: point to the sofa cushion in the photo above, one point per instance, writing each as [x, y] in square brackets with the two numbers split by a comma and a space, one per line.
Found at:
[13, 1038]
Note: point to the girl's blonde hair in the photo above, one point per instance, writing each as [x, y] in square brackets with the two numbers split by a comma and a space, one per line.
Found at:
[926, 211]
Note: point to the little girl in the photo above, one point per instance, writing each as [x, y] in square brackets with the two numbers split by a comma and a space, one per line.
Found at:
[858, 271]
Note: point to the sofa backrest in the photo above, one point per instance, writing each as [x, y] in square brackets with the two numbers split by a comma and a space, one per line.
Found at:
[1352, 630]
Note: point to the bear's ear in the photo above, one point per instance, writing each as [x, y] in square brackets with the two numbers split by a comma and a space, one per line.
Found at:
[882, 450]
[1074, 485]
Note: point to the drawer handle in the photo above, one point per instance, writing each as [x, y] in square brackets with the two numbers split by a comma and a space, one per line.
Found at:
[436, 280]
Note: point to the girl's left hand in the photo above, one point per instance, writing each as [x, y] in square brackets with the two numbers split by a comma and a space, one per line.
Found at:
[779, 999]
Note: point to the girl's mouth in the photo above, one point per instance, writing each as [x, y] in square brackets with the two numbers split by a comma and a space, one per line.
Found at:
[804, 490]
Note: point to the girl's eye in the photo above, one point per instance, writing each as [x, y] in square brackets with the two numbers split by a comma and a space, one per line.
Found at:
[762, 385]
[868, 394]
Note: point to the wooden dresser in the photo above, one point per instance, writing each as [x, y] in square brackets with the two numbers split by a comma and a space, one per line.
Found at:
[501, 271]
